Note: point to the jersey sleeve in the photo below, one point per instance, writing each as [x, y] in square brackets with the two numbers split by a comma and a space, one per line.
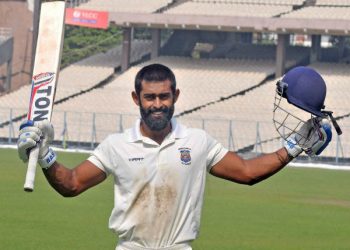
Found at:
[215, 152]
[100, 157]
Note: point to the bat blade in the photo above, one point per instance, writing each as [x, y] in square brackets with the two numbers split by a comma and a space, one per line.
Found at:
[45, 72]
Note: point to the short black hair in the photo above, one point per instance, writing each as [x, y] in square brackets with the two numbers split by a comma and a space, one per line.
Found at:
[154, 73]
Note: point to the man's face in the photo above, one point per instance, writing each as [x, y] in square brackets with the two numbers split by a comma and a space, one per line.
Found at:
[156, 102]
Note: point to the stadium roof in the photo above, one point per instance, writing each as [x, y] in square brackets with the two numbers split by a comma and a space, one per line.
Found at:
[232, 23]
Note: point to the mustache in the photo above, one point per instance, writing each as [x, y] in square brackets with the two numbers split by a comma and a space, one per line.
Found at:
[154, 110]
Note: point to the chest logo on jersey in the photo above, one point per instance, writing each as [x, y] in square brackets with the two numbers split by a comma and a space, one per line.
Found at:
[185, 156]
[136, 159]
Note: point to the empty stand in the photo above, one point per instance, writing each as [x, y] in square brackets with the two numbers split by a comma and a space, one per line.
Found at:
[226, 97]
[256, 106]
[80, 76]
[73, 80]
[320, 12]
[267, 2]
[209, 88]
[337, 78]
[132, 6]
[200, 80]
[333, 2]
[241, 122]
[224, 9]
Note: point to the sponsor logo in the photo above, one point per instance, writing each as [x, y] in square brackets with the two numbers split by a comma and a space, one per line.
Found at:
[291, 144]
[185, 156]
[87, 18]
[136, 159]
[43, 78]
[76, 14]
[41, 97]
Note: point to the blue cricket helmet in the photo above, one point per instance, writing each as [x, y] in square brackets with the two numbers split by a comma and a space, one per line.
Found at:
[305, 88]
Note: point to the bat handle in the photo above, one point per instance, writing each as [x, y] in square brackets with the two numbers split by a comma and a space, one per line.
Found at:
[30, 176]
[334, 122]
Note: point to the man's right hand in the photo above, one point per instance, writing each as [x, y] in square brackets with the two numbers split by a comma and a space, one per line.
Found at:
[36, 134]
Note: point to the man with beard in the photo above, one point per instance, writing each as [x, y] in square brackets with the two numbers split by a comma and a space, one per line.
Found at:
[159, 167]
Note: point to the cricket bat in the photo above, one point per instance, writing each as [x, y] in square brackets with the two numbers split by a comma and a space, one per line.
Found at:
[45, 72]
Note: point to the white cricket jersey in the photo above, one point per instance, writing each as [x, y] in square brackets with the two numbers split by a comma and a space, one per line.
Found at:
[158, 190]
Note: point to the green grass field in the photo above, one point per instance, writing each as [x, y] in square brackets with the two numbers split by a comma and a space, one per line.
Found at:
[295, 209]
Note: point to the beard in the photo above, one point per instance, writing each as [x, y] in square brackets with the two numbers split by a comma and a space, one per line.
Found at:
[158, 123]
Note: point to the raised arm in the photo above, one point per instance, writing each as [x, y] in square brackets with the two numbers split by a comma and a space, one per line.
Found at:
[71, 182]
[234, 168]
[68, 182]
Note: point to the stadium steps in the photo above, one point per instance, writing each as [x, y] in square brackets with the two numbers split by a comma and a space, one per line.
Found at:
[324, 12]
[64, 99]
[269, 77]
[131, 6]
[222, 99]
[100, 61]
[173, 4]
[336, 77]
[234, 9]
[266, 2]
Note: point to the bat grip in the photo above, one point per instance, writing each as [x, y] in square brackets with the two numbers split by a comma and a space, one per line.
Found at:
[30, 176]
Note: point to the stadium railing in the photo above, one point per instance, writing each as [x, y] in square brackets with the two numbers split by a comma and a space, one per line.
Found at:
[243, 136]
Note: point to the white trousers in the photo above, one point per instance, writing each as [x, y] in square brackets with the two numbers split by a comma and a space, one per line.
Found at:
[132, 246]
